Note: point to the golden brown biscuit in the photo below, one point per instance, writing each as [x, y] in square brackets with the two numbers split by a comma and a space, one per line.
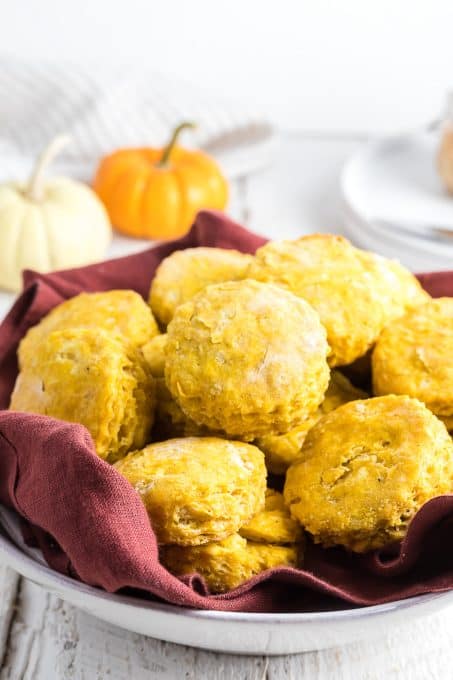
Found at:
[356, 293]
[282, 450]
[197, 490]
[274, 524]
[88, 376]
[414, 356]
[154, 352]
[172, 422]
[170, 419]
[366, 469]
[185, 272]
[246, 358]
[121, 312]
[226, 564]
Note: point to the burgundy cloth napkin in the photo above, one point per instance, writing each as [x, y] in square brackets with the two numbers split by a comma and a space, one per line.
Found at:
[91, 524]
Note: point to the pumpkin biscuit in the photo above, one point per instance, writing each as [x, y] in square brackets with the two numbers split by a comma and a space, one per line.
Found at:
[414, 356]
[170, 419]
[88, 376]
[366, 469]
[197, 490]
[282, 450]
[185, 273]
[154, 352]
[172, 422]
[356, 293]
[226, 564]
[120, 312]
[246, 358]
[274, 524]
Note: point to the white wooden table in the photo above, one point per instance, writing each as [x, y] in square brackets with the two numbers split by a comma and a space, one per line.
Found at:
[43, 638]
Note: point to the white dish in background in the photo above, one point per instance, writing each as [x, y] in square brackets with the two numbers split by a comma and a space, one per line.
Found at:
[395, 179]
[231, 632]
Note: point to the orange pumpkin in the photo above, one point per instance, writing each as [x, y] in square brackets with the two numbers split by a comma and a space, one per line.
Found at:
[156, 193]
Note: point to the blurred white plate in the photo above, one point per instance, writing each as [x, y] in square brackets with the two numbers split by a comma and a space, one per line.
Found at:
[239, 633]
[395, 179]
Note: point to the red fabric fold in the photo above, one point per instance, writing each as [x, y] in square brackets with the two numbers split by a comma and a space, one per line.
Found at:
[91, 524]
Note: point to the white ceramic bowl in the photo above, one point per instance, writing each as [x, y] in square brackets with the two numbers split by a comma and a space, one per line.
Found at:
[239, 633]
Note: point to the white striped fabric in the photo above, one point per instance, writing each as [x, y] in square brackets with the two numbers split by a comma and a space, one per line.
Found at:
[104, 109]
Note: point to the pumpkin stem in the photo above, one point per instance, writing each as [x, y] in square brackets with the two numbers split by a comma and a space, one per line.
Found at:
[34, 189]
[173, 139]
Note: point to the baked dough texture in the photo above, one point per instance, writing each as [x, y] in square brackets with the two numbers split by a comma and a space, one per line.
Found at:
[356, 293]
[170, 420]
[274, 524]
[154, 352]
[185, 273]
[121, 312]
[226, 564]
[197, 490]
[366, 469]
[282, 450]
[88, 376]
[247, 358]
[414, 356]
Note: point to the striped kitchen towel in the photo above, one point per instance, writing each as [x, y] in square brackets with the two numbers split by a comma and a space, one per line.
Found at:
[106, 108]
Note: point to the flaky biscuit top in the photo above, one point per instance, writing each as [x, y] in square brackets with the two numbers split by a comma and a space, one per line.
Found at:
[184, 273]
[356, 293]
[246, 358]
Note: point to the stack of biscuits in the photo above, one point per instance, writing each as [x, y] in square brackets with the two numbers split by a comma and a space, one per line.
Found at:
[259, 402]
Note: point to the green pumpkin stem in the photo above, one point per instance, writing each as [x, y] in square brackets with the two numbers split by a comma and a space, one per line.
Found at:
[173, 140]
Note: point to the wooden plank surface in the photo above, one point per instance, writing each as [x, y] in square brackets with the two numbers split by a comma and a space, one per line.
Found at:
[48, 639]
[43, 638]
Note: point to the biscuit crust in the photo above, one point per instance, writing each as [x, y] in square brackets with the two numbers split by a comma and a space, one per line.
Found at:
[185, 273]
[197, 490]
[120, 312]
[414, 356]
[366, 468]
[356, 293]
[226, 564]
[273, 524]
[247, 358]
[88, 376]
[282, 450]
[154, 352]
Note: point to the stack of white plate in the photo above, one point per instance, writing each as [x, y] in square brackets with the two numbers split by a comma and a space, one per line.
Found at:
[394, 202]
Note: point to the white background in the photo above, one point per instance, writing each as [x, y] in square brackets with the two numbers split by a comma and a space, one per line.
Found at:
[314, 65]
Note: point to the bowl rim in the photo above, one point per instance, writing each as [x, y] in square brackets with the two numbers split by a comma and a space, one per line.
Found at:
[48, 578]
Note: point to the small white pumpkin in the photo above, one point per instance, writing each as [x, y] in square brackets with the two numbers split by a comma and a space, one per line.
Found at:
[46, 225]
